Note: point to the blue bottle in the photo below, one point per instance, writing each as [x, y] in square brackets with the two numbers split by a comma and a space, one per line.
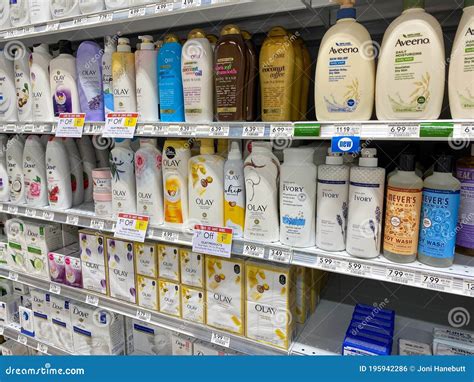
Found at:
[169, 80]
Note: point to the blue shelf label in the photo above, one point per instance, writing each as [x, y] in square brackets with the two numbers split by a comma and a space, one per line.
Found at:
[345, 144]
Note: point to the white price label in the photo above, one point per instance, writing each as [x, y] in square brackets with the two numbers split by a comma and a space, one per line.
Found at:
[219, 131]
[55, 288]
[30, 212]
[280, 255]
[136, 12]
[250, 131]
[92, 300]
[106, 17]
[281, 131]
[42, 348]
[163, 7]
[358, 269]
[169, 236]
[220, 339]
[400, 276]
[22, 339]
[72, 219]
[327, 263]
[442, 284]
[47, 215]
[52, 27]
[120, 125]
[97, 224]
[13, 276]
[463, 130]
[347, 130]
[131, 227]
[186, 130]
[70, 125]
[79, 21]
[190, 3]
[252, 250]
[143, 315]
[403, 130]
[210, 240]
[12, 209]
[468, 288]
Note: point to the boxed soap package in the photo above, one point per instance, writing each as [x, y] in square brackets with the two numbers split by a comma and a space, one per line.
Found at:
[225, 294]
[27, 325]
[192, 304]
[92, 247]
[57, 262]
[181, 345]
[16, 251]
[450, 341]
[40, 304]
[121, 269]
[191, 268]
[169, 297]
[168, 262]
[3, 251]
[303, 294]
[409, 347]
[73, 269]
[149, 339]
[146, 262]
[147, 292]
[270, 305]
[20, 289]
[61, 323]
[9, 309]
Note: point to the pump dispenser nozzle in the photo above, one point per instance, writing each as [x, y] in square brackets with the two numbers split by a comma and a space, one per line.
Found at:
[146, 42]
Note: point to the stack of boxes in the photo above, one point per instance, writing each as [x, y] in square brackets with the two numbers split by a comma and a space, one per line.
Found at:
[169, 287]
[146, 267]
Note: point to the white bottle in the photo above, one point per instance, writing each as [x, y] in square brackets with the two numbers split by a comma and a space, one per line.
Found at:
[116, 4]
[34, 172]
[40, 11]
[63, 81]
[4, 14]
[19, 14]
[332, 209]
[461, 72]
[345, 70]
[366, 196]
[206, 186]
[64, 8]
[123, 178]
[77, 174]
[261, 169]
[197, 69]
[16, 184]
[8, 103]
[110, 46]
[149, 179]
[23, 84]
[40, 84]
[4, 186]
[234, 191]
[87, 152]
[146, 80]
[123, 76]
[298, 198]
[410, 72]
[91, 6]
[58, 173]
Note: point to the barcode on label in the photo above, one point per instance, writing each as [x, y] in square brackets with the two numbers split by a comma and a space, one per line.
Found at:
[220, 339]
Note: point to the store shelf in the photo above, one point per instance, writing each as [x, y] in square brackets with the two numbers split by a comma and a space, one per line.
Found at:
[13, 332]
[457, 279]
[201, 332]
[373, 130]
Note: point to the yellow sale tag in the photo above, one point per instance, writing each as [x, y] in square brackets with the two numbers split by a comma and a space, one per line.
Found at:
[130, 122]
[78, 122]
[141, 225]
[224, 238]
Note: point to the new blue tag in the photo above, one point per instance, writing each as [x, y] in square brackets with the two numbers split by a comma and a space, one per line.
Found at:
[346, 144]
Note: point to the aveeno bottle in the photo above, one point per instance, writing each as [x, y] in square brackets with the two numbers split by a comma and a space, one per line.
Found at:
[402, 212]
[411, 68]
[345, 71]
[123, 76]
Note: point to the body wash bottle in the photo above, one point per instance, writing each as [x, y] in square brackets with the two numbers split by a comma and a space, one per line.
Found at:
[4, 14]
[198, 77]
[251, 78]
[8, 102]
[366, 195]
[298, 198]
[40, 86]
[149, 179]
[169, 80]
[123, 77]
[465, 174]
[332, 209]
[77, 171]
[23, 84]
[206, 186]
[439, 215]
[34, 172]
[123, 178]
[58, 174]
[110, 46]
[89, 73]
[16, 184]
[4, 186]
[234, 191]
[147, 80]
[88, 158]
[19, 14]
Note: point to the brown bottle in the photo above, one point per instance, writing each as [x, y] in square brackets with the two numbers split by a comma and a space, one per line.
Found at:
[306, 81]
[230, 60]
[251, 77]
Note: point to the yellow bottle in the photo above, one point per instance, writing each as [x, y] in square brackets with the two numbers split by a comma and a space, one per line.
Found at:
[277, 68]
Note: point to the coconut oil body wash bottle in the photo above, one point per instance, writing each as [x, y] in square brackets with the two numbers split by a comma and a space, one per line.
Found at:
[366, 195]
[345, 71]
[410, 72]
[333, 206]
[461, 72]
[123, 177]
[277, 71]
[123, 76]
[439, 215]
[402, 212]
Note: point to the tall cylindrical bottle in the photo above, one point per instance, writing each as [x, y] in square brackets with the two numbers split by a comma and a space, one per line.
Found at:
[402, 212]
[366, 194]
[234, 191]
[8, 103]
[40, 11]
[23, 84]
[34, 172]
[110, 46]
[16, 183]
[465, 174]
[58, 174]
[4, 187]
[147, 80]
[40, 86]
[123, 177]
[332, 208]
[123, 76]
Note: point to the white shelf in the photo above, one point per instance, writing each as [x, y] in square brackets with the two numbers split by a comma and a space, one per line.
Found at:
[457, 279]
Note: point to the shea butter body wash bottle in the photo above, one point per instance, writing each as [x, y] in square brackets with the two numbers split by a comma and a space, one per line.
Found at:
[123, 76]
[23, 84]
[40, 86]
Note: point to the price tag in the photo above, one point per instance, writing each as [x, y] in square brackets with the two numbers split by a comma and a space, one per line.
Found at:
[120, 125]
[210, 240]
[190, 3]
[143, 315]
[106, 17]
[136, 12]
[468, 288]
[280, 255]
[219, 131]
[281, 131]
[252, 250]
[327, 263]
[52, 27]
[97, 224]
[30, 212]
[55, 288]
[403, 130]
[400, 276]
[186, 130]
[169, 236]
[463, 130]
[346, 130]
[92, 300]
[131, 227]
[253, 131]
[47, 215]
[22, 339]
[2, 330]
[442, 284]
[163, 7]
[13, 276]
[12, 209]
[42, 348]
[79, 21]
[220, 339]
[70, 125]
[72, 219]
[358, 269]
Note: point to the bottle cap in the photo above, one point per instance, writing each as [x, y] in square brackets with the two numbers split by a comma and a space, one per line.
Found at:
[65, 47]
[196, 33]
[261, 146]
[277, 31]
[407, 162]
[334, 158]
[146, 42]
[246, 35]
[212, 38]
[123, 45]
[234, 152]
[408, 4]
[368, 158]
[230, 29]
[207, 146]
[169, 38]
[444, 164]
[347, 10]
[122, 142]
[41, 48]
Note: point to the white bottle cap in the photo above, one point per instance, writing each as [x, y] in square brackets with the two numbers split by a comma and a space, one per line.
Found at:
[148, 142]
[334, 158]
[123, 45]
[234, 152]
[146, 42]
[368, 158]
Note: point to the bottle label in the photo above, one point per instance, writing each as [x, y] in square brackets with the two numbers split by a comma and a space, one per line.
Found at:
[62, 101]
[466, 98]
[439, 219]
[234, 210]
[402, 220]
[465, 236]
